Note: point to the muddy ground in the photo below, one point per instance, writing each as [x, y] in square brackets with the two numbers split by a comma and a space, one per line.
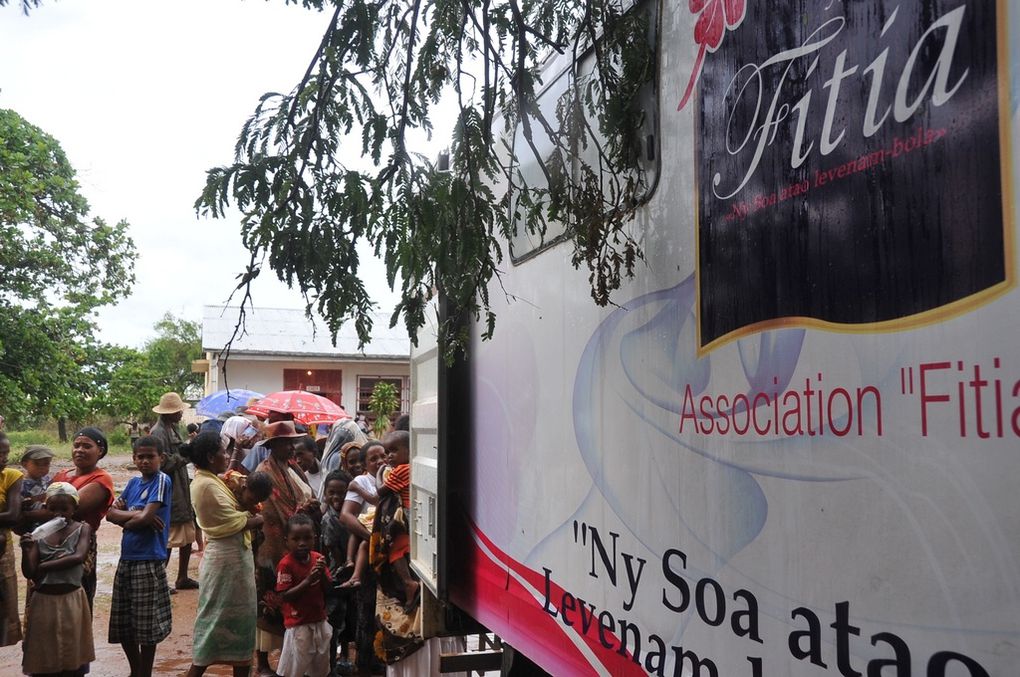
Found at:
[173, 656]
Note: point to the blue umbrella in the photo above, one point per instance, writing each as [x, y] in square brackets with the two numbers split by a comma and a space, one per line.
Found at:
[225, 401]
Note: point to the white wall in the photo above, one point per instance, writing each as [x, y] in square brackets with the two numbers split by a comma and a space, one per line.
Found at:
[265, 374]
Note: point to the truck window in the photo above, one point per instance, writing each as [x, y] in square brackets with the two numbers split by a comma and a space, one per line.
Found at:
[558, 75]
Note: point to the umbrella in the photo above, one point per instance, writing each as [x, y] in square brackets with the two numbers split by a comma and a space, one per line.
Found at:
[307, 408]
[223, 401]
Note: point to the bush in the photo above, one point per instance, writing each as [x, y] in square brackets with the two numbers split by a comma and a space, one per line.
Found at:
[22, 438]
[116, 436]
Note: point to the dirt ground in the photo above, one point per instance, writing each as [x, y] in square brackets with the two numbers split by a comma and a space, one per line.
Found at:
[173, 656]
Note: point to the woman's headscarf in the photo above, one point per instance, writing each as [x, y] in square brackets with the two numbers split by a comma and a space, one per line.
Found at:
[345, 449]
[343, 432]
[234, 426]
[97, 436]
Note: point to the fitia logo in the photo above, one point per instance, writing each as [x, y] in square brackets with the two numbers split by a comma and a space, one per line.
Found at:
[852, 163]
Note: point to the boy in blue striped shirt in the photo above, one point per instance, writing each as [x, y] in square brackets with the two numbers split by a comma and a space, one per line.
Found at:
[140, 615]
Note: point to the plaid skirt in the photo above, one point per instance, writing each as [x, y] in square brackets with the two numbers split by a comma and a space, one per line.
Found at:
[140, 612]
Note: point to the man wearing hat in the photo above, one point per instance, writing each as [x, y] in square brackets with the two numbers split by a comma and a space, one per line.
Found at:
[260, 451]
[182, 516]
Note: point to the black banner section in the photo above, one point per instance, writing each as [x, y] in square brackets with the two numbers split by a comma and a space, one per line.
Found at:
[849, 167]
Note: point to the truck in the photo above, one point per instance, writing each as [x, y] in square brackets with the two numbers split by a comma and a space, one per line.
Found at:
[789, 446]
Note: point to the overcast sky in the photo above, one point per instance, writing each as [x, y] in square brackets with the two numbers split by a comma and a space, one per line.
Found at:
[144, 97]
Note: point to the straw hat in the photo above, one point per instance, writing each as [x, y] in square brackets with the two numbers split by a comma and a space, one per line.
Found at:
[170, 403]
[281, 429]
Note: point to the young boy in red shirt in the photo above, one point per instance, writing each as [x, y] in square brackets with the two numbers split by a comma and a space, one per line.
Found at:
[301, 579]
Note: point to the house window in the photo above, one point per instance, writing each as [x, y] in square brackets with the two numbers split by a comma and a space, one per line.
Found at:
[324, 382]
[367, 383]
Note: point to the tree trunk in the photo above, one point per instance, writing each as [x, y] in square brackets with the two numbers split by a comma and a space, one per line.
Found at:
[62, 429]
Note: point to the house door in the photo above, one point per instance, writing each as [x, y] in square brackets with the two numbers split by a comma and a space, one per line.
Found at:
[324, 382]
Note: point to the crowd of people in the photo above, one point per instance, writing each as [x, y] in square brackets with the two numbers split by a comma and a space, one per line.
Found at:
[305, 547]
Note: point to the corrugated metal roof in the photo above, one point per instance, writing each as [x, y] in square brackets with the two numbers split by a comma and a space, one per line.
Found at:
[287, 331]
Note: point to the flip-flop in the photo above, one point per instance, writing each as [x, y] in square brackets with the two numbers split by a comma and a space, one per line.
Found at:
[187, 584]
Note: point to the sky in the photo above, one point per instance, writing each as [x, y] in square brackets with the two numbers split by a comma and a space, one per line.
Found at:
[144, 97]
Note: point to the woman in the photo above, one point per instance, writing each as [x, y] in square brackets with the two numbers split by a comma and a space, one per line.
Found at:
[398, 625]
[10, 513]
[365, 596]
[340, 438]
[225, 619]
[95, 493]
[290, 495]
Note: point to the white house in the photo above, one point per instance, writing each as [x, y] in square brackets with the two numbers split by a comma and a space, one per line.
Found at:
[282, 349]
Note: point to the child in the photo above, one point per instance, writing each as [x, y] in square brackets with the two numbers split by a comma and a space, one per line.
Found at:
[140, 615]
[301, 580]
[249, 490]
[36, 462]
[362, 490]
[393, 523]
[306, 456]
[342, 617]
[58, 630]
[334, 536]
[397, 478]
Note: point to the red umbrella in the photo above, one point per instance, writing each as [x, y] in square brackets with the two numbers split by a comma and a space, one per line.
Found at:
[307, 408]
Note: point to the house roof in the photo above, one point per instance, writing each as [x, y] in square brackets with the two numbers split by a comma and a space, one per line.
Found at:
[287, 331]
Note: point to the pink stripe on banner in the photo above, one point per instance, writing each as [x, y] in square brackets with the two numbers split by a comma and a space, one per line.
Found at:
[508, 598]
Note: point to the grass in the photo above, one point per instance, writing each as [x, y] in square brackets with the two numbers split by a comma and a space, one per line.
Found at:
[119, 443]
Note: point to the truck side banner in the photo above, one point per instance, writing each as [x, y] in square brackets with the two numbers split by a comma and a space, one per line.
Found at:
[792, 449]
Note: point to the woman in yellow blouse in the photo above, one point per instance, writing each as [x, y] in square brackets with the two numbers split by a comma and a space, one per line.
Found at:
[225, 621]
[10, 513]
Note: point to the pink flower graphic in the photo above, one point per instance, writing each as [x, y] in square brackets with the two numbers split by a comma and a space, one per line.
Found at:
[717, 16]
